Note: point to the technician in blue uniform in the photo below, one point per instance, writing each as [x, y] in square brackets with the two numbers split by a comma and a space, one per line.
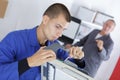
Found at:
[22, 53]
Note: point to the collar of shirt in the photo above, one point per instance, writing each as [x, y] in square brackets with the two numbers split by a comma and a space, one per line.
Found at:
[98, 36]
[33, 38]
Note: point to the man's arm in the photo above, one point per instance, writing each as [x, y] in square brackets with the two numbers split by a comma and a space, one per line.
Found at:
[106, 50]
[8, 64]
[82, 41]
[63, 55]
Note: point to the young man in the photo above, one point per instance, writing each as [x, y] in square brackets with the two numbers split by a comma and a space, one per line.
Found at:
[97, 47]
[22, 52]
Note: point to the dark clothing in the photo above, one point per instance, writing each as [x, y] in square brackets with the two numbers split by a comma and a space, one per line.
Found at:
[93, 57]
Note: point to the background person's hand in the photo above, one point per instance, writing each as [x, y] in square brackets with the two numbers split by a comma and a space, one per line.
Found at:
[68, 46]
[76, 52]
[40, 57]
[100, 44]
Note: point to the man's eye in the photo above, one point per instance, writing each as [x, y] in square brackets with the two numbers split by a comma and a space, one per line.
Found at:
[57, 27]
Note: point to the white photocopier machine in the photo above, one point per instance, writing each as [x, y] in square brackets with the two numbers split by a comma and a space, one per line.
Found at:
[57, 70]
[61, 70]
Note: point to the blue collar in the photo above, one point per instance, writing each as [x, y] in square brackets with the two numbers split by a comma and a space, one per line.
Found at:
[33, 38]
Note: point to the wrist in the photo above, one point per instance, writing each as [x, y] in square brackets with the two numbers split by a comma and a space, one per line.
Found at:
[29, 61]
[100, 48]
[23, 66]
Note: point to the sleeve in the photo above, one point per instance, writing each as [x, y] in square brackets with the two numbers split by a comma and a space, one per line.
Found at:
[80, 62]
[106, 51]
[62, 54]
[8, 63]
[23, 66]
[82, 41]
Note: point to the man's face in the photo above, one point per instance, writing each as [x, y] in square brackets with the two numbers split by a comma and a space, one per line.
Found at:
[108, 27]
[54, 27]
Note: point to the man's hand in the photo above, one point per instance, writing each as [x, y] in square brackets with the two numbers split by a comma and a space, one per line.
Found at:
[40, 57]
[76, 52]
[100, 44]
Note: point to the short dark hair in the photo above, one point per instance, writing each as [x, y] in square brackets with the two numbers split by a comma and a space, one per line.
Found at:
[56, 9]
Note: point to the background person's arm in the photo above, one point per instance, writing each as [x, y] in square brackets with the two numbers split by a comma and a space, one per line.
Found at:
[106, 50]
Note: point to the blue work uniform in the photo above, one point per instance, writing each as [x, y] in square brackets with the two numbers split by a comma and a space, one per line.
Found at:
[15, 48]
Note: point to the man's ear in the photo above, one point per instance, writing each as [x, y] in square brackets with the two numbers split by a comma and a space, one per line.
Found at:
[45, 19]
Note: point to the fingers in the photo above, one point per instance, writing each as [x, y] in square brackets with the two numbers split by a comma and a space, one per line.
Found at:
[40, 57]
[48, 54]
[81, 55]
[99, 41]
[76, 53]
[71, 51]
[100, 44]
[68, 46]
[41, 48]
[49, 59]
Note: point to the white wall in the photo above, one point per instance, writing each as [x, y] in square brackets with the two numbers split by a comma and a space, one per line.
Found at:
[22, 14]
[109, 7]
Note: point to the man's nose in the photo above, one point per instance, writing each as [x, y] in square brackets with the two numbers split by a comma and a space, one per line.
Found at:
[60, 33]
